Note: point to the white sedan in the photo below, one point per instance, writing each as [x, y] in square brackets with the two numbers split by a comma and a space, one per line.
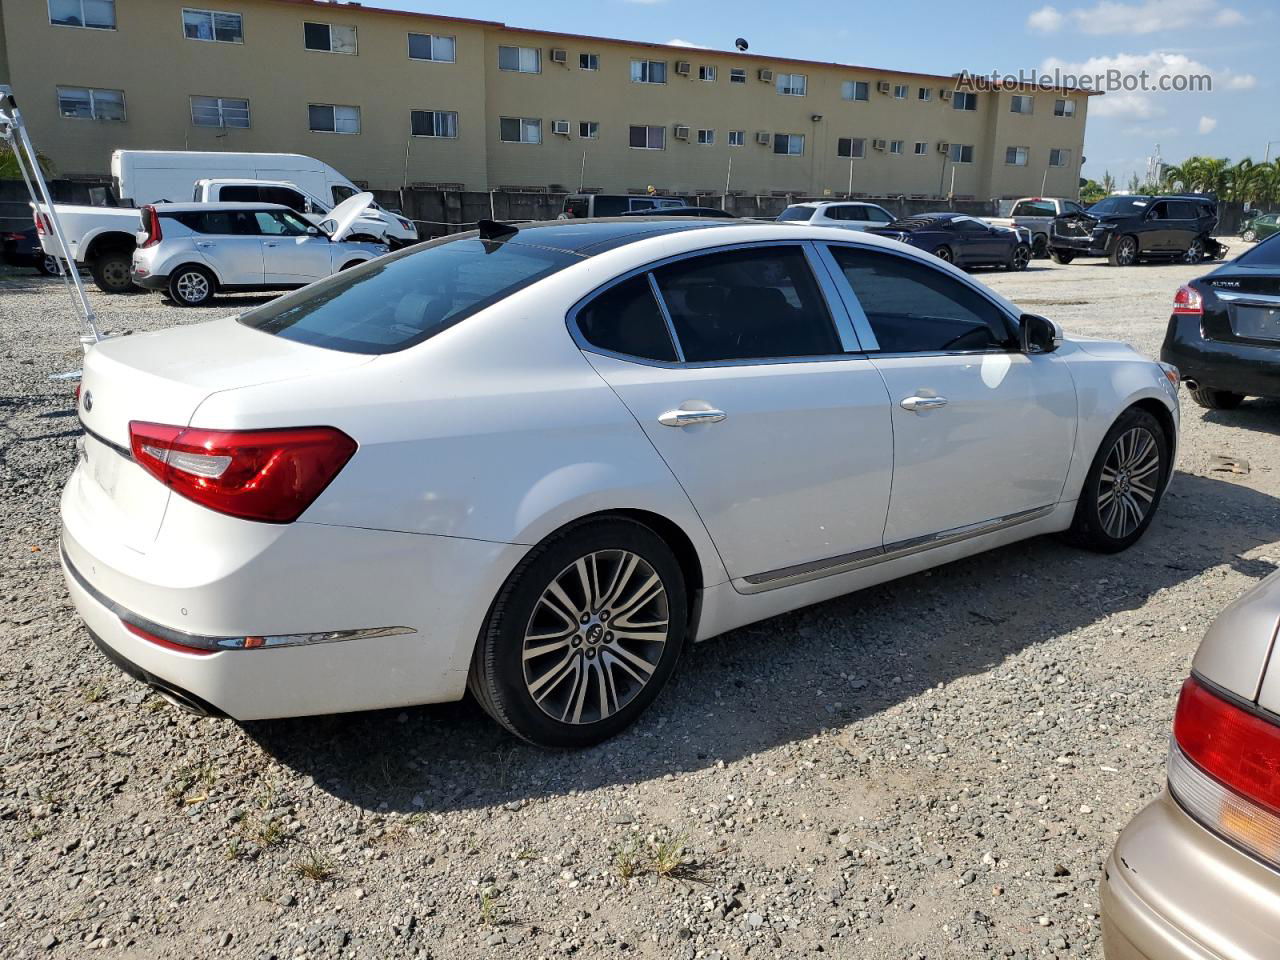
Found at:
[537, 462]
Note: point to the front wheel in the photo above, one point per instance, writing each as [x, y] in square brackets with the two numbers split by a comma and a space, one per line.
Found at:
[1212, 399]
[1249, 235]
[48, 265]
[583, 635]
[1123, 486]
[1124, 253]
[1019, 257]
[191, 286]
[1061, 256]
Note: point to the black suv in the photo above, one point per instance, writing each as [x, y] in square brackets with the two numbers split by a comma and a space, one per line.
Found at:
[1126, 229]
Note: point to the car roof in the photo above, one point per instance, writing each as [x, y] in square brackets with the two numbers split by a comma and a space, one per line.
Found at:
[586, 236]
[213, 207]
[833, 203]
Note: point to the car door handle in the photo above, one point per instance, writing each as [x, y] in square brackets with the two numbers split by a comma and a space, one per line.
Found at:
[204, 243]
[689, 418]
[272, 243]
[922, 404]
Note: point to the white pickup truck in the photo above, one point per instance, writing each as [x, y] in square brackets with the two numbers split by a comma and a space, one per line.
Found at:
[1035, 214]
[101, 238]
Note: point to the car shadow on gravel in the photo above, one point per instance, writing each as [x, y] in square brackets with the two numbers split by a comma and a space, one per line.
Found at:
[1259, 414]
[785, 679]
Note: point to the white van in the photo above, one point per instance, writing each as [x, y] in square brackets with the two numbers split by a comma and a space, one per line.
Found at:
[159, 176]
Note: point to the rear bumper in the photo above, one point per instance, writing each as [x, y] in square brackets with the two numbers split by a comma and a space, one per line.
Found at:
[1221, 365]
[1171, 890]
[150, 281]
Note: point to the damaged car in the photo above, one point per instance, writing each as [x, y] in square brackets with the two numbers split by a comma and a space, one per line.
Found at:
[1127, 229]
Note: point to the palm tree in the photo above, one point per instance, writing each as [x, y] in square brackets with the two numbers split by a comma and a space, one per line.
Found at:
[1108, 183]
[9, 164]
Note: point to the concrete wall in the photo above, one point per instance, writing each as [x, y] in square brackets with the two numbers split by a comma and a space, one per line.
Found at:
[148, 58]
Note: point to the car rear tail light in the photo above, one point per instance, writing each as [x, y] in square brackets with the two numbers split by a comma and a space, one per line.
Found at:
[151, 221]
[266, 475]
[1224, 768]
[43, 226]
[1188, 302]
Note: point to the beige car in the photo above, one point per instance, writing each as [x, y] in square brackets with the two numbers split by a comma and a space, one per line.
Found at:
[1196, 875]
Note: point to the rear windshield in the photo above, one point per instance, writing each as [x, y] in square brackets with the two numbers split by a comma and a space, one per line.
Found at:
[394, 302]
[1265, 254]
[797, 213]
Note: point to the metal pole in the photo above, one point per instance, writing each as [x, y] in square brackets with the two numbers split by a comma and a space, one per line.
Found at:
[582, 171]
[728, 173]
[1044, 180]
[849, 193]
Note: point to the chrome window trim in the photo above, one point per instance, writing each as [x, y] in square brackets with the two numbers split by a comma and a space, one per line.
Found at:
[844, 291]
[847, 562]
[666, 316]
[575, 332]
[842, 284]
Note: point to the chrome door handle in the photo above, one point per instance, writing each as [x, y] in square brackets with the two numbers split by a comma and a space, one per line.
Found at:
[272, 243]
[922, 404]
[689, 418]
[204, 243]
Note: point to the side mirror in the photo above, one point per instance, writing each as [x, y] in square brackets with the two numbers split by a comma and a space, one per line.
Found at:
[1037, 334]
[313, 231]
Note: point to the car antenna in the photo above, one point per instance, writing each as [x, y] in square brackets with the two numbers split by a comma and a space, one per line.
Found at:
[495, 230]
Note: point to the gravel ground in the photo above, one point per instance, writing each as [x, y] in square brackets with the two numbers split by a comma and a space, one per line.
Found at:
[932, 768]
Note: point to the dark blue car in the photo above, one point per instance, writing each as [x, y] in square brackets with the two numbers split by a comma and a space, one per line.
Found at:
[961, 239]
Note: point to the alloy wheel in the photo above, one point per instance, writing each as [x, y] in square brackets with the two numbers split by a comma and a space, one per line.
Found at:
[1195, 252]
[1249, 236]
[1127, 252]
[943, 254]
[193, 287]
[1127, 484]
[595, 637]
[1021, 257]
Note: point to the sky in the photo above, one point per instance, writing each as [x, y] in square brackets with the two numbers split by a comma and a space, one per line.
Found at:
[1235, 42]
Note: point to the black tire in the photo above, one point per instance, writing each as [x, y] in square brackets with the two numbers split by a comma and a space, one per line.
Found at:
[1124, 252]
[1195, 252]
[944, 254]
[1019, 257]
[499, 677]
[1212, 399]
[192, 286]
[349, 264]
[1249, 235]
[1061, 256]
[1040, 246]
[1094, 527]
[110, 271]
[47, 265]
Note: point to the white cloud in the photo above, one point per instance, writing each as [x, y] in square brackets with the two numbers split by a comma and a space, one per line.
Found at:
[1147, 16]
[1046, 20]
[677, 42]
[1207, 124]
[1143, 104]
[1241, 81]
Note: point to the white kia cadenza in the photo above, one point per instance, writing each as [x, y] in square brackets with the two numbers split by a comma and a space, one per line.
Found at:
[536, 462]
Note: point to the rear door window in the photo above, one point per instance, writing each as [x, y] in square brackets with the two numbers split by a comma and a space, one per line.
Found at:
[240, 193]
[754, 303]
[915, 308]
[226, 223]
[395, 302]
[797, 213]
[609, 206]
[626, 319]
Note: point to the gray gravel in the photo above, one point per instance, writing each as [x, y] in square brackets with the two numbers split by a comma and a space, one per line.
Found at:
[933, 768]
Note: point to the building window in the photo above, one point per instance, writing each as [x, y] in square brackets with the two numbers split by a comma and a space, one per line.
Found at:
[588, 61]
[707, 137]
[434, 123]
[328, 38]
[212, 25]
[1058, 157]
[427, 46]
[588, 129]
[1064, 108]
[895, 147]
[964, 101]
[788, 144]
[1016, 156]
[520, 59]
[707, 72]
[900, 91]
[851, 148]
[792, 84]
[737, 138]
[924, 93]
[328, 118]
[855, 90]
[648, 71]
[219, 112]
[97, 14]
[1022, 104]
[519, 129]
[961, 153]
[647, 138]
[922, 148]
[737, 75]
[87, 103]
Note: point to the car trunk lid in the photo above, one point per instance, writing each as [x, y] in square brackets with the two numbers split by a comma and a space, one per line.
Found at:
[1243, 304]
[163, 378]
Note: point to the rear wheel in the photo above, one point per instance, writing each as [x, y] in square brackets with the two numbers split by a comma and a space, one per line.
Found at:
[1061, 256]
[48, 265]
[1124, 253]
[1019, 257]
[1212, 399]
[110, 271]
[583, 635]
[1195, 252]
[1249, 235]
[1123, 486]
[1040, 247]
[191, 286]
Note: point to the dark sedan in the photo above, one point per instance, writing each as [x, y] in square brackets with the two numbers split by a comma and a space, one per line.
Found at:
[960, 239]
[1224, 334]
[23, 250]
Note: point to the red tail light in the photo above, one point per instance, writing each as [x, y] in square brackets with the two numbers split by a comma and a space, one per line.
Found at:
[266, 475]
[43, 226]
[151, 221]
[1188, 302]
[1232, 745]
